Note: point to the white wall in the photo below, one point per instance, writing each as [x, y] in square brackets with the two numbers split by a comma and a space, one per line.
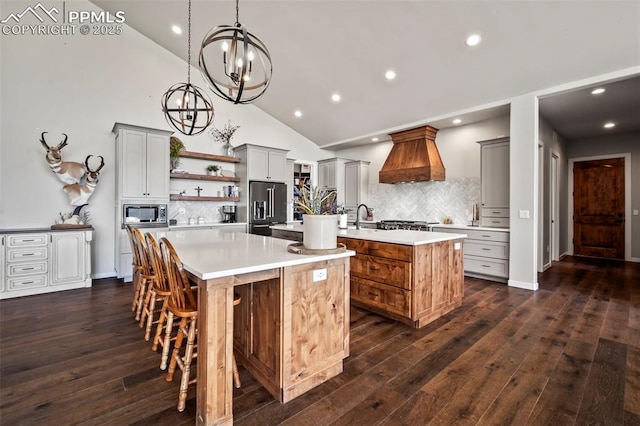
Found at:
[618, 144]
[81, 85]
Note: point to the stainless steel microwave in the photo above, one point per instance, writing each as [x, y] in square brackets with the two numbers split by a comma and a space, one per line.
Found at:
[144, 215]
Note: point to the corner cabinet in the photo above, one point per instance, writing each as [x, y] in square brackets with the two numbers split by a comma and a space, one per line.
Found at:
[356, 180]
[192, 176]
[263, 163]
[494, 182]
[44, 262]
[142, 162]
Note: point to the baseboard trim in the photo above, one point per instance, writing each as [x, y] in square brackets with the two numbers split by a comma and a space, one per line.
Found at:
[524, 285]
[547, 266]
[563, 255]
[103, 275]
[635, 259]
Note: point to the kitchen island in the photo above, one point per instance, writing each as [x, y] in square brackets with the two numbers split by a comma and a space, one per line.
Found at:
[412, 276]
[291, 330]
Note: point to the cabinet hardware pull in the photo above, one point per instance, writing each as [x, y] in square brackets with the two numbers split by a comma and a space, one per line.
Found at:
[372, 294]
[485, 249]
[495, 212]
[28, 241]
[27, 282]
[486, 236]
[486, 266]
[28, 254]
[28, 269]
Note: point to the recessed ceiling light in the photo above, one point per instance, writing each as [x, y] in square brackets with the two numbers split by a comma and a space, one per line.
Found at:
[473, 40]
[335, 97]
[597, 91]
[390, 75]
[457, 121]
[297, 113]
[374, 139]
[176, 29]
[609, 125]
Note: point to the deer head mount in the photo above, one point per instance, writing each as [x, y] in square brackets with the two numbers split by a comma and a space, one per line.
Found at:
[68, 172]
[79, 194]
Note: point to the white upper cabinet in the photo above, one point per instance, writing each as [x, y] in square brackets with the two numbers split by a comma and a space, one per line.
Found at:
[494, 182]
[331, 174]
[356, 185]
[263, 163]
[142, 162]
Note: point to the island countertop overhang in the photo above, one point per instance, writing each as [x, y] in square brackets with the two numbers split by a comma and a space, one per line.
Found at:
[217, 253]
[404, 237]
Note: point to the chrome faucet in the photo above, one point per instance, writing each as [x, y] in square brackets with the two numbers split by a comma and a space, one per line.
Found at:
[358, 215]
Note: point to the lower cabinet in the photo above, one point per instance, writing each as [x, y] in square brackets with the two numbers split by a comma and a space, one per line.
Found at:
[287, 235]
[486, 252]
[412, 284]
[44, 262]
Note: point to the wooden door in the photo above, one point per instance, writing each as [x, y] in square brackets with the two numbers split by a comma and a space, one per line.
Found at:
[598, 208]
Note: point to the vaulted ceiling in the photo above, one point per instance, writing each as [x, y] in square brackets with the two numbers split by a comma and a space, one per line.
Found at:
[322, 47]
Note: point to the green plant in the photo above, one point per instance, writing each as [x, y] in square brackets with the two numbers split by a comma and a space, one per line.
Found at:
[314, 200]
[213, 168]
[175, 146]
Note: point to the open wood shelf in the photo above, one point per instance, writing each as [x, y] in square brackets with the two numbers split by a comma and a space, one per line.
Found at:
[211, 157]
[203, 177]
[178, 197]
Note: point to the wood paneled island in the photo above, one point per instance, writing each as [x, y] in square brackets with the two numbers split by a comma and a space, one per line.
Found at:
[412, 276]
[291, 330]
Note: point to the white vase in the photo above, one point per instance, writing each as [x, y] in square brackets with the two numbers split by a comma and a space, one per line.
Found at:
[320, 232]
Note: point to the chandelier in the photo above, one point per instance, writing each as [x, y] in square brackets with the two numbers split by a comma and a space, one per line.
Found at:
[185, 106]
[244, 73]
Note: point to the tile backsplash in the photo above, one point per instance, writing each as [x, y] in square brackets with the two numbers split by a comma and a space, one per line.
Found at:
[426, 201]
[207, 209]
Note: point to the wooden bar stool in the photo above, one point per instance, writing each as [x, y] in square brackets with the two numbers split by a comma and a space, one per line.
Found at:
[158, 290]
[182, 303]
[137, 267]
[146, 276]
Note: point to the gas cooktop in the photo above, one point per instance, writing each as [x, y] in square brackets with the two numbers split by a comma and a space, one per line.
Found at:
[410, 225]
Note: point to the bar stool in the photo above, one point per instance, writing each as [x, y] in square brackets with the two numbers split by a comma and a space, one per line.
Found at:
[158, 290]
[137, 267]
[182, 303]
[146, 276]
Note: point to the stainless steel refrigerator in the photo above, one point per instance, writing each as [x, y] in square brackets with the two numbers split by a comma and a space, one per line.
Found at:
[267, 206]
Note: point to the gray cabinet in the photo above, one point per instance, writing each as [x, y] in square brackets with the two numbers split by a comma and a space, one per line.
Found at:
[263, 163]
[494, 182]
[356, 186]
[43, 262]
[331, 174]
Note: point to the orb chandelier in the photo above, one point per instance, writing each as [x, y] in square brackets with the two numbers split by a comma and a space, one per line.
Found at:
[186, 107]
[235, 63]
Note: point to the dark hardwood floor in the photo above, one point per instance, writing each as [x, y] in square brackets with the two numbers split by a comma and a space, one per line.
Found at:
[566, 354]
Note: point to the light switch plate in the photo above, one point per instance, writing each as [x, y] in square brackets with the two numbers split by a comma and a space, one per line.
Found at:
[524, 214]
[319, 274]
[635, 212]
[456, 246]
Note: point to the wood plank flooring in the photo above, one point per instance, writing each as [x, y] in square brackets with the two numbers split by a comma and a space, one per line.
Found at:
[566, 354]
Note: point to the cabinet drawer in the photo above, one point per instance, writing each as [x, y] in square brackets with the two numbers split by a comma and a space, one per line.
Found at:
[389, 271]
[21, 283]
[481, 265]
[477, 234]
[486, 249]
[27, 240]
[21, 269]
[286, 235]
[498, 222]
[373, 248]
[27, 254]
[391, 299]
[494, 212]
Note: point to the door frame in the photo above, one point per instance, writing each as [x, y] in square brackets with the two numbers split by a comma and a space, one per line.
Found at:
[627, 199]
[541, 179]
[554, 207]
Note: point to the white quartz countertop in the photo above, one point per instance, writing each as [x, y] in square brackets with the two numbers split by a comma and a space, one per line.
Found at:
[215, 253]
[410, 238]
[206, 225]
[469, 227]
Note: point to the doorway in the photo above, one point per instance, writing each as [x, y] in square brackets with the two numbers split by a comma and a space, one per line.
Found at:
[599, 207]
[554, 216]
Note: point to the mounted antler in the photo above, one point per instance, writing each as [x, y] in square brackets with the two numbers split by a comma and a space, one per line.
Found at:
[68, 172]
[79, 194]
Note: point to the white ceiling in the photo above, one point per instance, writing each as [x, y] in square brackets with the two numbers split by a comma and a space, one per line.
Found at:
[319, 47]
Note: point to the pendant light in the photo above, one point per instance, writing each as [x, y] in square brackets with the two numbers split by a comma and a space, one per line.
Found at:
[235, 63]
[186, 107]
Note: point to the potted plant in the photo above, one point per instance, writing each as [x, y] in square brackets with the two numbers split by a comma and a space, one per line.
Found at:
[175, 146]
[224, 137]
[212, 169]
[318, 208]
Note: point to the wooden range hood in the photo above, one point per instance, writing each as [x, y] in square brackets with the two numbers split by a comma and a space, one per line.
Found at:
[414, 157]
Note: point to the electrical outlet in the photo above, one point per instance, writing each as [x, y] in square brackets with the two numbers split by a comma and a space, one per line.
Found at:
[456, 246]
[319, 274]
[181, 210]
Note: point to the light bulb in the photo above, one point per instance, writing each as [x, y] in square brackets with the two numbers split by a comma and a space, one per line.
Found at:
[239, 62]
[250, 56]
[390, 75]
[225, 46]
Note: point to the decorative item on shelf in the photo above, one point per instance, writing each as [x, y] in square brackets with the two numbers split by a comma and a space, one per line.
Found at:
[175, 146]
[224, 137]
[186, 107]
[198, 190]
[243, 73]
[318, 207]
[77, 219]
[213, 169]
[447, 221]
[475, 215]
